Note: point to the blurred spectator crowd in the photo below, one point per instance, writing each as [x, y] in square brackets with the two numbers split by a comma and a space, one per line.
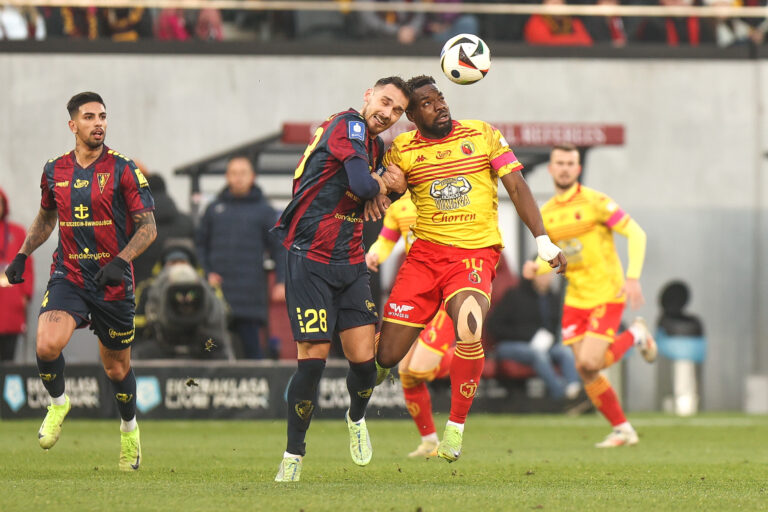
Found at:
[132, 24]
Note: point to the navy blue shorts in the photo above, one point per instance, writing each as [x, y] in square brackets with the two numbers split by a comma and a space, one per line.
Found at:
[112, 321]
[325, 298]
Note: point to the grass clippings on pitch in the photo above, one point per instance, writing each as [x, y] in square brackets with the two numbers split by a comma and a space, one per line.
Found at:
[712, 462]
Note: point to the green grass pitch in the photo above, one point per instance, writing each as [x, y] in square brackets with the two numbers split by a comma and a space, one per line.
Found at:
[716, 462]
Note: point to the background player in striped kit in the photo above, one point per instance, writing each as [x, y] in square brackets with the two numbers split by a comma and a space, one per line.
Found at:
[104, 209]
[581, 221]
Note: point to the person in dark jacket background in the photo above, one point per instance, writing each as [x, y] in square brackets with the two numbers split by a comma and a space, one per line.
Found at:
[13, 299]
[231, 240]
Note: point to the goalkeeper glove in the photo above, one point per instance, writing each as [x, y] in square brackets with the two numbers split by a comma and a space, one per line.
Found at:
[15, 271]
[112, 273]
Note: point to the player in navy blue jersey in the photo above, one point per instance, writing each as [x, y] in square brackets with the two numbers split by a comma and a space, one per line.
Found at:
[327, 281]
[104, 209]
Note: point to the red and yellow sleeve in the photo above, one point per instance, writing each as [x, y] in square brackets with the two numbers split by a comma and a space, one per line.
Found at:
[619, 221]
[503, 159]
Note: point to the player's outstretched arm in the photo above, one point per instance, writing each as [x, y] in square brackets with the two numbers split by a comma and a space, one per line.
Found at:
[529, 212]
[143, 236]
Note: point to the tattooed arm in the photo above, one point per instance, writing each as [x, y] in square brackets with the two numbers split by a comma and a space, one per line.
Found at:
[145, 234]
[40, 230]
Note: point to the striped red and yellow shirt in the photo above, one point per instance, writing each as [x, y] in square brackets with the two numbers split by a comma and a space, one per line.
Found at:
[581, 222]
[454, 182]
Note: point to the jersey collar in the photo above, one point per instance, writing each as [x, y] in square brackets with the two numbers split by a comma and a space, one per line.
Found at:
[454, 124]
[104, 152]
[568, 194]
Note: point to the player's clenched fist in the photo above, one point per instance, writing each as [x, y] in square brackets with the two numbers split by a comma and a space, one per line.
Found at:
[15, 271]
[112, 273]
[394, 179]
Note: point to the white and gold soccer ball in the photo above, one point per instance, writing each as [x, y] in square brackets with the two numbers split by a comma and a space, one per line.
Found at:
[465, 59]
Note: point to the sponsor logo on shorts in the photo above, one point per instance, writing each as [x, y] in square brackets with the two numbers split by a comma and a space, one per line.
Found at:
[450, 193]
[117, 334]
[114, 334]
[304, 409]
[474, 277]
[569, 331]
[399, 310]
[468, 389]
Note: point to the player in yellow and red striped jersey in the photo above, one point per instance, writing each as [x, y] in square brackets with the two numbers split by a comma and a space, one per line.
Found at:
[581, 221]
[430, 357]
[453, 169]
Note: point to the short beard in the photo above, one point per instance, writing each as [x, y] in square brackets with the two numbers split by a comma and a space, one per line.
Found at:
[567, 185]
[93, 145]
[442, 132]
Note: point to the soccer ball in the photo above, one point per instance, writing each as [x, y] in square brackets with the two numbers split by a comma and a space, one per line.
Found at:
[465, 59]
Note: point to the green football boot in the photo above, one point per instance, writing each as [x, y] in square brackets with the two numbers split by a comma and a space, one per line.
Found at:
[130, 450]
[450, 447]
[51, 428]
[359, 442]
[290, 470]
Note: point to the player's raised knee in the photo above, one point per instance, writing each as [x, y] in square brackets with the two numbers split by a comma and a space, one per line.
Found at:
[588, 366]
[386, 358]
[49, 344]
[469, 321]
